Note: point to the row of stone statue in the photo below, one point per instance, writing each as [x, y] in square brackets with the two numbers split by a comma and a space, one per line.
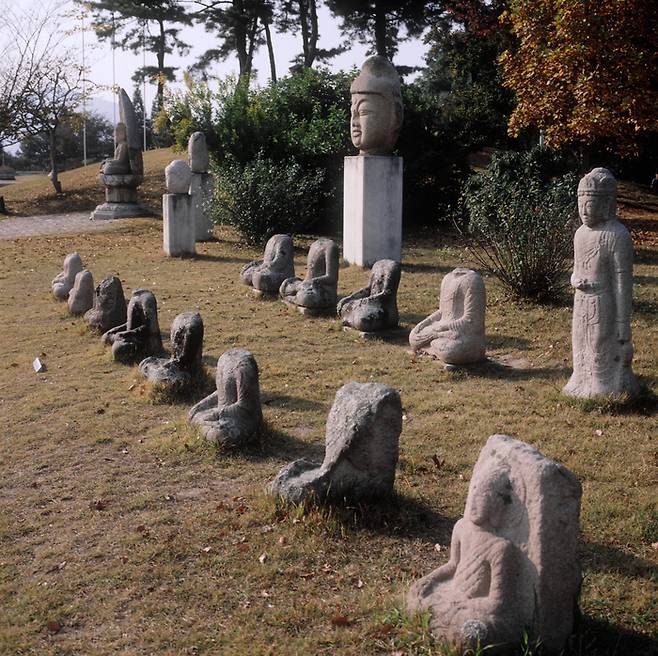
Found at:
[513, 565]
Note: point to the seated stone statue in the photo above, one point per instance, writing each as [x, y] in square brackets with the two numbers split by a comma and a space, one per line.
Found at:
[120, 164]
[266, 275]
[513, 564]
[140, 335]
[184, 366]
[232, 415]
[81, 297]
[109, 308]
[63, 282]
[362, 444]
[374, 308]
[318, 292]
[455, 332]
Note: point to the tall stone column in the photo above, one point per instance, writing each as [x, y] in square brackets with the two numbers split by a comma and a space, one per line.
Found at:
[177, 215]
[372, 201]
[201, 187]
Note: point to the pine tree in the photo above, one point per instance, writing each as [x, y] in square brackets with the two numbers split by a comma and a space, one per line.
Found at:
[136, 24]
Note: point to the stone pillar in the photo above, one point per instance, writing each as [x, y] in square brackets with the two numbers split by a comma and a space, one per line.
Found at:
[201, 189]
[372, 209]
[178, 226]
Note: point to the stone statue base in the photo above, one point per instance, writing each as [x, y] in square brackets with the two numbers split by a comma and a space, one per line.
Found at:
[120, 197]
[329, 311]
[372, 209]
[201, 189]
[178, 225]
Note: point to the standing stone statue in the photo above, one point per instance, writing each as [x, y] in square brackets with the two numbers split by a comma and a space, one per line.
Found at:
[232, 415]
[201, 186]
[184, 368]
[318, 292]
[374, 308]
[177, 216]
[123, 174]
[513, 557]
[455, 332]
[362, 444]
[372, 212]
[140, 335]
[603, 279]
[63, 282]
[81, 297]
[109, 308]
[266, 275]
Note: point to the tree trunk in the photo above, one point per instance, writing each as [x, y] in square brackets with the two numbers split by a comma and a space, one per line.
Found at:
[240, 37]
[270, 50]
[313, 40]
[252, 46]
[380, 29]
[161, 56]
[53, 163]
[303, 22]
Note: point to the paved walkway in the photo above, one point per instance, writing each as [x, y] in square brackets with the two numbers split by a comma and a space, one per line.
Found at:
[33, 226]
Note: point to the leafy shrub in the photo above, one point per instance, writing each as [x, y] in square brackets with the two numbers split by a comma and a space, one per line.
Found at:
[521, 216]
[261, 197]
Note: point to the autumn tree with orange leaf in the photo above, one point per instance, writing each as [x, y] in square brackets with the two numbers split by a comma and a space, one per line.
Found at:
[584, 72]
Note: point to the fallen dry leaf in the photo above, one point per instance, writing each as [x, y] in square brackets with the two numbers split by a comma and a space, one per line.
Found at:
[340, 620]
[53, 626]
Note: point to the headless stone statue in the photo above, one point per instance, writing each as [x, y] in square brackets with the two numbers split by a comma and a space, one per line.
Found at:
[513, 557]
[232, 415]
[362, 442]
[185, 366]
[455, 332]
[266, 275]
[374, 308]
[603, 280]
[63, 282]
[109, 308]
[140, 335]
[81, 297]
[376, 107]
[120, 164]
[318, 292]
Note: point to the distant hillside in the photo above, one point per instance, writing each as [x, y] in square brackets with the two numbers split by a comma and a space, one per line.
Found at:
[34, 195]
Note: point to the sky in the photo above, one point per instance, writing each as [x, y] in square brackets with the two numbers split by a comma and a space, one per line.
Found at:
[98, 56]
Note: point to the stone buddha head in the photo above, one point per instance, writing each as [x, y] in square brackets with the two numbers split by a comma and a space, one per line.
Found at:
[489, 495]
[597, 197]
[376, 115]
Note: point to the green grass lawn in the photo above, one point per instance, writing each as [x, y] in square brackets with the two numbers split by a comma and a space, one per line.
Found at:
[121, 531]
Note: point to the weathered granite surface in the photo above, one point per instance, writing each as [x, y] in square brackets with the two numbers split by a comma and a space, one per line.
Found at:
[374, 308]
[109, 307]
[455, 332]
[184, 367]
[63, 282]
[362, 443]
[178, 177]
[377, 111]
[513, 558]
[81, 297]
[603, 280]
[140, 335]
[277, 265]
[318, 291]
[197, 153]
[232, 415]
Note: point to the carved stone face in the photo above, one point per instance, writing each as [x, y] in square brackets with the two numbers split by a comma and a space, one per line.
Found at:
[594, 208]
[375, 123]
[488, 497]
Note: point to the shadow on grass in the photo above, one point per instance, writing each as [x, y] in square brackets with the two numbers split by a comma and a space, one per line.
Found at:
[646, 403]
[220, 258]
[496, 370]
[645, 308]
[645, 280]
[604, 558]
[275, 445]
[506, 342]
[645, 256]
[426, 268]
[289, 402]
[598, 638]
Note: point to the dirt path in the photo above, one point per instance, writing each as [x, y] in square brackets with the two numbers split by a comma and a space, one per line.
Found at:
[32, 226]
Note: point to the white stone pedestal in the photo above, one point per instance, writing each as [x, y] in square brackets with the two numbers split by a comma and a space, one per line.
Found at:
[178, 226]
[372, 209]
[201, 190]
